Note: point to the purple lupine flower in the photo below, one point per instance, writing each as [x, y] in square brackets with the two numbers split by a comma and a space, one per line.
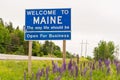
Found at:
[38, 74]
[76, 69]
[107, 63]
[100, 63]
[115, 62]
[60, 70]
[64, 66]
[91, 74]
[55, 68]
[72, 70]
[70, 64]
[84, 71]
[42, 71]
[47, 73]
[118, 68]
[25, 75]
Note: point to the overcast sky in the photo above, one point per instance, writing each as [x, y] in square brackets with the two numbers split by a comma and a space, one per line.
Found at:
[92, 20]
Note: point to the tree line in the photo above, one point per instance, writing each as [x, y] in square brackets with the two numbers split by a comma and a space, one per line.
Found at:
[105, 50]
[12, 42]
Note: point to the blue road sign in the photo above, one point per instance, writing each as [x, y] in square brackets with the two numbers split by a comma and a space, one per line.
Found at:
[48, 36]
[48, 19]
[48, 24]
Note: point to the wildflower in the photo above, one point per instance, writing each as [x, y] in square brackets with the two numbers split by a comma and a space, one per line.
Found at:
[100, 63]
[90, 74]
[84, 71]
[47, 74]
[64, 66]
[55, 68]
[42, 72]
[38, 74]
[76, 68]
[61, 70]
[25, 75]
[72, 70]
[118, 68]
[107, 62]
[70, 65]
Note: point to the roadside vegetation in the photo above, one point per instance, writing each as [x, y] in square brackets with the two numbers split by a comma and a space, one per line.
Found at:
[56, 70]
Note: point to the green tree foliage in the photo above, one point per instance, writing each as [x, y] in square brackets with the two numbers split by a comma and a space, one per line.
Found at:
[36, 48]
[69, 55]
[104, 50]
[50, 48]
[4, 37]
[10, 27]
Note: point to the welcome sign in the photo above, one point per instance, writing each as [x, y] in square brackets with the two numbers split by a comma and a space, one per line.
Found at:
[48, 24]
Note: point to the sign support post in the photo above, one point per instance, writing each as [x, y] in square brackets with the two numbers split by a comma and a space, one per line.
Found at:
[29, 57]
[64, 50]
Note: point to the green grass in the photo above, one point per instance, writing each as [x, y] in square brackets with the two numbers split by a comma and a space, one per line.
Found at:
[14, 70]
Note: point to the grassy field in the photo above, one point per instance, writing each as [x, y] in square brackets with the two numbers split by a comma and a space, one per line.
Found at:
[14, 70]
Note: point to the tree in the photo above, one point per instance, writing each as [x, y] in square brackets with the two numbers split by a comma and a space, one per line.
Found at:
[4, 37]
[36, 48]
[1, 22]
[10, 27]
[57, 53]
[104, 50]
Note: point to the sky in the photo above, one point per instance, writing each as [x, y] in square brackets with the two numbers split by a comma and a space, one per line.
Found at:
[92, 20]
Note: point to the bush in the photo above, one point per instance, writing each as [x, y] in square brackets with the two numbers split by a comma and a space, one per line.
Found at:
[89, 58]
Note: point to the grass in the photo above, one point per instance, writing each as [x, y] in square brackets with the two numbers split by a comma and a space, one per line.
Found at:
[14, 70]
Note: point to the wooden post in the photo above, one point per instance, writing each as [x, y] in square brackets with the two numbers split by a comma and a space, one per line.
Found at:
[64, 50]
[29, 57]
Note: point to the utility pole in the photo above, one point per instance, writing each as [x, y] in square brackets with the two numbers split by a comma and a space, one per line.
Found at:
[81, 47]
[86, 48]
